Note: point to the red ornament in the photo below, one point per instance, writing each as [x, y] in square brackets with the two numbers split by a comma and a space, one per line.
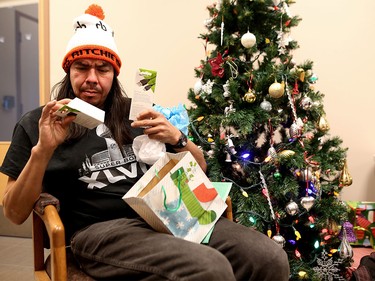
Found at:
[217, 68]
[295, 88]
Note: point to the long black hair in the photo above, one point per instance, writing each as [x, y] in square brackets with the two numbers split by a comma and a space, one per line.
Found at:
[116, 107]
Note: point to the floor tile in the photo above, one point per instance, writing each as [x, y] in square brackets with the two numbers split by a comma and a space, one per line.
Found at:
[16, 273]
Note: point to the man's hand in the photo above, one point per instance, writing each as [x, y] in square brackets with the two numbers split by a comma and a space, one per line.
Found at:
[157, 127]
[52, 128]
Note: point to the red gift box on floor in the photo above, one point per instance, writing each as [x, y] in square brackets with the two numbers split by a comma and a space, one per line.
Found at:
[362, 216]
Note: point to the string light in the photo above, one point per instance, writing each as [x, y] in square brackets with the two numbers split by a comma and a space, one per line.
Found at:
[332, 251]
[245, 155]
[297, 253]
[252, 219]
[297, 234]
[244, 193]
[302, 274]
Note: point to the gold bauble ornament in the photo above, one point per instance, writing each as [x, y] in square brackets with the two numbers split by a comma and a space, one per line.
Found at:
[250, 97]
[323, 124]
[345, 177]
[301, 74]
[332, 227]
[276, 90]
[286, 153]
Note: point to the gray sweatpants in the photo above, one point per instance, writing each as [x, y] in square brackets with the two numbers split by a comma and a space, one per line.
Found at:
[128, 249]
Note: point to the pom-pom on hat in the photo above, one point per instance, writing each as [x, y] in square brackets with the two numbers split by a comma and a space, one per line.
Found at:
[93, 39]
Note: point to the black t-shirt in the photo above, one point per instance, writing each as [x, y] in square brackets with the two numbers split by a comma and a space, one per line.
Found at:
[89, 176]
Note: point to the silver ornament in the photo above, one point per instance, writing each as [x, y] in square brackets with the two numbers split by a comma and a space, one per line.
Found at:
[279, 240]
[266, 105]
[210, 153]
[306, 175]
[294, 130]
[307, 202]
[345, 250]
[231, 147]
[228, 157]
[207, 88]
[208, 23]
[292, 208]
[229, 109]
[226, 89]
[272, 153]
[306, 103]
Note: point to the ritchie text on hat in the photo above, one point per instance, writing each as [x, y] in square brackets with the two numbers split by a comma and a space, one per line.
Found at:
[93, 39]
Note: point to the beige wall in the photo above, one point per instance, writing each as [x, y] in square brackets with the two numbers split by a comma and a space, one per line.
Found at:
[338, 36]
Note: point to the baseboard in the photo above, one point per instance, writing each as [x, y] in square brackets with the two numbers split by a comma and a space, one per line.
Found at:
[8, 228]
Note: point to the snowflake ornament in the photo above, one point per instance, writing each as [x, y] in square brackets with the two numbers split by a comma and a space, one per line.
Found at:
[283, 41]
[207, 88]
[327, 269]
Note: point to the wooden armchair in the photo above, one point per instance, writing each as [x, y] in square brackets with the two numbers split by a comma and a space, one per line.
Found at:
[48, 228]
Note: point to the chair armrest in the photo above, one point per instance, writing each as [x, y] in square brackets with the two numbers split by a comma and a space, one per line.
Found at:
[46, 220]
[44, 200]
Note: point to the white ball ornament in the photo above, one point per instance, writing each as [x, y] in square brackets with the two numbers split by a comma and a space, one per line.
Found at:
[248, 40]
[198, 86]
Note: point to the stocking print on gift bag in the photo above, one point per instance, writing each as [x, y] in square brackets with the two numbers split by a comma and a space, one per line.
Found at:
[191, 200]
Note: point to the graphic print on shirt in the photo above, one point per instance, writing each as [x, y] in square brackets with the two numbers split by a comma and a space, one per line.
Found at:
[110, 165]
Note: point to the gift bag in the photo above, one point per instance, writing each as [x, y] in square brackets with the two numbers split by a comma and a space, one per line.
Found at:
[175, 196]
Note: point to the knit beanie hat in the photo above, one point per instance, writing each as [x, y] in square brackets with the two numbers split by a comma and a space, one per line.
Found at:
[93, 39]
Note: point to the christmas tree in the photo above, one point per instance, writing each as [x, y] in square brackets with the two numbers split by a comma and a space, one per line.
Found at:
[261, 123]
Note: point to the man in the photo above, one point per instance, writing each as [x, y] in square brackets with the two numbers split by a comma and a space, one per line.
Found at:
[90, 170]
